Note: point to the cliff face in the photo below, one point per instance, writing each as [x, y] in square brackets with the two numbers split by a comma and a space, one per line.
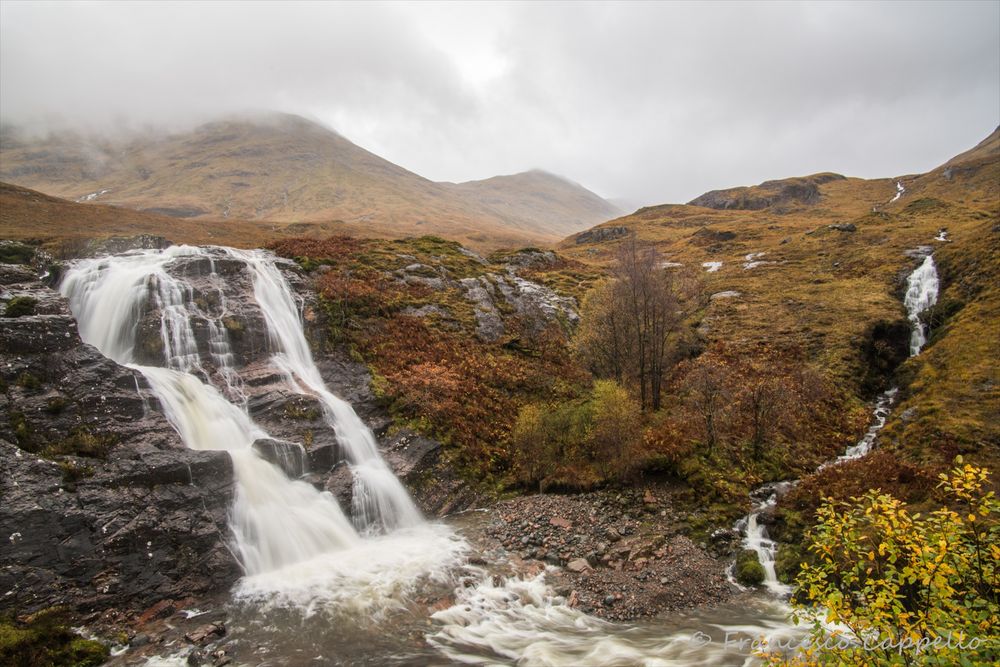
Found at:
[102, 506]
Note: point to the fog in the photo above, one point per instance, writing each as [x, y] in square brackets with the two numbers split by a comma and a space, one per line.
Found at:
[647, 102]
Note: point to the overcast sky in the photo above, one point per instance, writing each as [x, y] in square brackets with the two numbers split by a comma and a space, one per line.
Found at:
[649, 102]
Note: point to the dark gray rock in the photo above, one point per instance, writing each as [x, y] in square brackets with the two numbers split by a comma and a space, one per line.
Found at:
[120, 514]
[12, 274]
[844, 227]
[802, 191]
[601, 234]
[289, 456]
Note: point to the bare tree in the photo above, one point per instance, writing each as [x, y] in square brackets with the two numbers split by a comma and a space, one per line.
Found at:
[709, 397]
[628, 323]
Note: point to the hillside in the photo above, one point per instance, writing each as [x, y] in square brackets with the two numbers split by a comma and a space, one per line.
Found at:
[283, 168]
[27, 215]
[542, 201]
[818, 265]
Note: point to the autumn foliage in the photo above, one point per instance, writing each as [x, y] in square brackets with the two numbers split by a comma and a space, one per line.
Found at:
[903, 587]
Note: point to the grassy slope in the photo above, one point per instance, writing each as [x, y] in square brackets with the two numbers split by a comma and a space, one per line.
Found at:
[826, 286]
[829, 287]
[29, 215]
[286, 169]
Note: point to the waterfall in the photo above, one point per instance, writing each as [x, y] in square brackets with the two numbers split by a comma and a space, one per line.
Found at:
[755, 535]
[295, 542]
[921, 294]
[379, 500]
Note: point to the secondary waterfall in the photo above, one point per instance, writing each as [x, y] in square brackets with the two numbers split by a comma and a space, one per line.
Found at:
[921, 293]
[277, 522]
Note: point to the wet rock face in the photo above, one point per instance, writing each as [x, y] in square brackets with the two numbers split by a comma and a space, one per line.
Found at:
[100, 503]
[220, 309]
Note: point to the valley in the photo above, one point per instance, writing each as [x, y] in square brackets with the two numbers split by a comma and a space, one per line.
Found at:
[303, 422]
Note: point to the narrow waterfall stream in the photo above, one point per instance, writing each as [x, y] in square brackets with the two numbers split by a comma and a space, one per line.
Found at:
[330, 585]
[921, 293]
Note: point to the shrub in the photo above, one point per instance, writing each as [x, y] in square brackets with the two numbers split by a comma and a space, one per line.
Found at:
[889, 578]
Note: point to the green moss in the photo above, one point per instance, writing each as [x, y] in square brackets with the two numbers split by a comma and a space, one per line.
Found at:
[297, 411]
[748, 570]
[81, 441]
[232, 324]
[45, 640]
[22, 430]
[73, 473]
[20, 306]
[28, 381]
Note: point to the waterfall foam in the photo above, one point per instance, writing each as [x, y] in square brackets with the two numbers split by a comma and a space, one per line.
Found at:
[523, 621]
[295, 542]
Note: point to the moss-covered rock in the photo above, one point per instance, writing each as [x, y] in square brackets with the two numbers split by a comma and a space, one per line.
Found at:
[748, 570]
[45, 640]
[20, 306]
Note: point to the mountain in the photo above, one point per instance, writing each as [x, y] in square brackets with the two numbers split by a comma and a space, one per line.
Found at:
[543, 201]
[283, 168]
[819, 264]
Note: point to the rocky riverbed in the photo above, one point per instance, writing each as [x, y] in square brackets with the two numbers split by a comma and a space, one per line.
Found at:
[621, 553]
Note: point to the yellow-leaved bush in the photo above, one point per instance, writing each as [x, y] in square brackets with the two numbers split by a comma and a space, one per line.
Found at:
[891, 587]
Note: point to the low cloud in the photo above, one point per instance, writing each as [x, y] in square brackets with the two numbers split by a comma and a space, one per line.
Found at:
[649, 102]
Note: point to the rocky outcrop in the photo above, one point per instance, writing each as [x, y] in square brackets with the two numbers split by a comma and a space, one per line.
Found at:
[600, 234]
[770, 194]
[101, 506]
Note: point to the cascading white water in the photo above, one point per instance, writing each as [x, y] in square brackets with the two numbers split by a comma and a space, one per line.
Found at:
[899, 191]
[755, 536]
[295, 542]
[379, 501]
[921, 294]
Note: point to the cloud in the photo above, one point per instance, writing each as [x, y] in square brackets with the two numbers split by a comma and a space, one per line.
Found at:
[651, 102]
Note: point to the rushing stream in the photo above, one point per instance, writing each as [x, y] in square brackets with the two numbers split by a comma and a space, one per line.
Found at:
[921, 293]
[329, 585]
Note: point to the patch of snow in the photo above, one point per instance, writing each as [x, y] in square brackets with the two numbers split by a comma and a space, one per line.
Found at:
[728, 294]
[711, 267]
[752, 265]
[670, 265]
[942, 235]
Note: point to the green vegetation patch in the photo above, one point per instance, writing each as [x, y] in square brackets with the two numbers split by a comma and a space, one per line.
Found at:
[45, 640]
[16, 253]
[20, 306]
[748, 570]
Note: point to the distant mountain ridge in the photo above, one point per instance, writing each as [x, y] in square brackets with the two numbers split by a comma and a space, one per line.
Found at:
[284, 168]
